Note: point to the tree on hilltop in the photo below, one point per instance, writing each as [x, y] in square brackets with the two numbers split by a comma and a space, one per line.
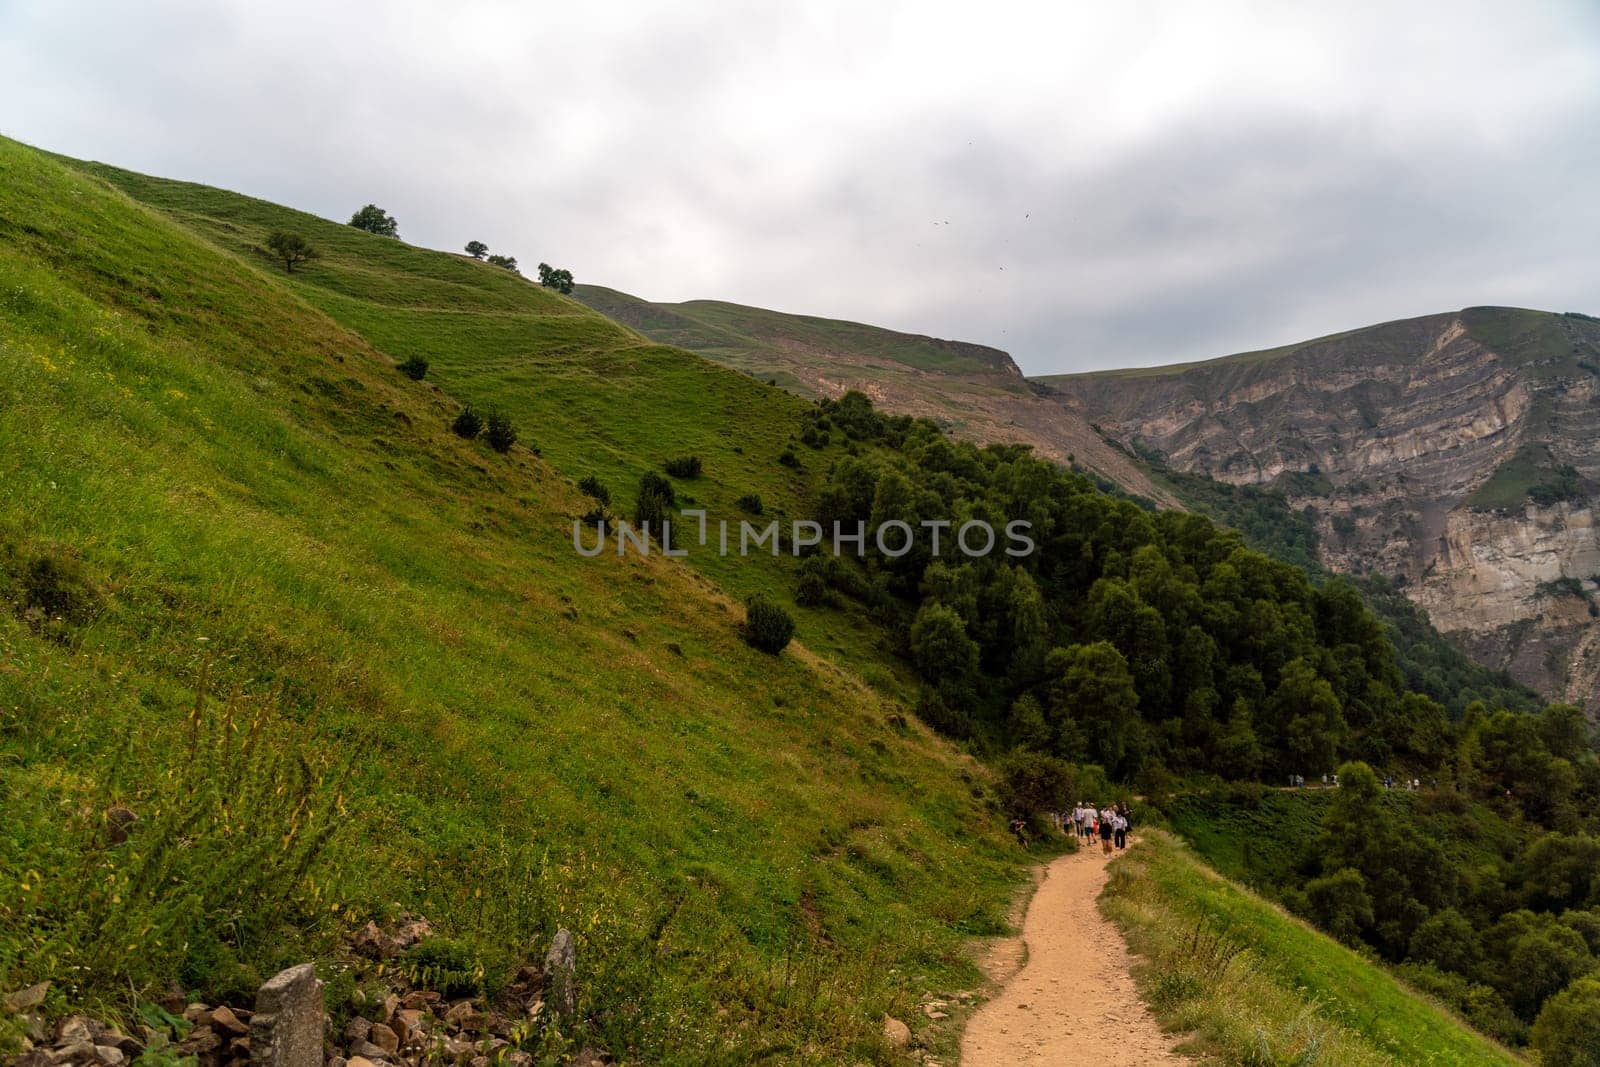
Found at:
[292, 248]
[476, 249]
[553, 278]
[374, 219]
[508, 262]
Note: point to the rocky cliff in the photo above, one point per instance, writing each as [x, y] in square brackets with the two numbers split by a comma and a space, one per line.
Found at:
[1457, 453]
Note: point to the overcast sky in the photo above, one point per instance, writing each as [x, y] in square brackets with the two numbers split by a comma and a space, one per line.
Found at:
[1084, 185]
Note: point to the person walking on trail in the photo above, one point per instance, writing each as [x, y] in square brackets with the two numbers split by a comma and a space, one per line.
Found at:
[1106, 818]
[1120, 830]
[1019, 829]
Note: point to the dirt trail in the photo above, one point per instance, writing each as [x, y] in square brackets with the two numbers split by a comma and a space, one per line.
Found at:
[1073, 1001]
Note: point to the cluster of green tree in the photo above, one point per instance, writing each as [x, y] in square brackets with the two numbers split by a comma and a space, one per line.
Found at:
[374, 219]
[557, 278]
[497, 428]
[1128, 639]
[1263, 515]
[1563, 483]
[1270, 523]
[1433, 665]
[1498, 934]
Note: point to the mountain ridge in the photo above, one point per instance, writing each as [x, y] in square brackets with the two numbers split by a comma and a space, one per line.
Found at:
[1453, 452]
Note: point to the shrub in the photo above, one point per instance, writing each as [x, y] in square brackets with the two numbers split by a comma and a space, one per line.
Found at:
[766, 625]
[1032, 783]
[446, 966]
[502, 432]
[415, 368]
[468, 424]
[508, 262]
[683, 467]
[1340, 905]
[789, 459]
[656, 498]
[750, 502]
[59, 588]
[816, 573]
[1568, 1028]
[589, 485]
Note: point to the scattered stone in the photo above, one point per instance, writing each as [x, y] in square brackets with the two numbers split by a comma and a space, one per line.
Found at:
[411, 931]
[463, 1015]
[559, 964]
[407, 1023]
[109, 1055]
[121, 822]
[73, 1030]
[385, 1038]
[363, 1049]
[130, 1047]
[357, 1029]
[203, 1039]
[197, 1014]
[286, 1030]
[391, 1004]
[75, 1052]
[897, 1033]
[25, 1000]
[374, 943]
[223, 1019]
[359, 1061]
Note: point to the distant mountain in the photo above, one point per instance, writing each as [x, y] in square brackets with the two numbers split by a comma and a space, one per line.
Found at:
[973, 391]
[1456, 453]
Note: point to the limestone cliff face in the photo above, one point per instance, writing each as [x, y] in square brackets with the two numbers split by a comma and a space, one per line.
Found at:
[1458, 452]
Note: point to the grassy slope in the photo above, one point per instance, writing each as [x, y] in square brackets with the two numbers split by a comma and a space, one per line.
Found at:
[593, 396]
[1547, 342]
[1292, 995]
[228, 462]
[743, 336]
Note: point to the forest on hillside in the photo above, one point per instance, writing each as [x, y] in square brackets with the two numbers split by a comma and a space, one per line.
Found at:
[1157, 649]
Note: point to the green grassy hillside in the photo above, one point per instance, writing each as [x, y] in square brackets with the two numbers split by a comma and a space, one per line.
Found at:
[1254, 985]
[1548, 343]
[753, 339]
[342, 663]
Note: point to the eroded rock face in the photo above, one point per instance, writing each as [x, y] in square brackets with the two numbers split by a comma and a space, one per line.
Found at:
[1415, 442]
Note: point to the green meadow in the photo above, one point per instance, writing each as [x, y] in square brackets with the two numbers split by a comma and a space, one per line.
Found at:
[342, 663]
[1250, 984]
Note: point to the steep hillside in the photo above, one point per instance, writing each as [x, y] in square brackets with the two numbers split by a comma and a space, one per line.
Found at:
[339, 662]
[1252, 984]
[1455, 453]
[973, 391]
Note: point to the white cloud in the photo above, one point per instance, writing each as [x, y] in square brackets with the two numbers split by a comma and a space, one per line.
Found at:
[1157, 180]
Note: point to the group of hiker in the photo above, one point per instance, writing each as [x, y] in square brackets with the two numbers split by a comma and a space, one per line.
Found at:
[1109, 824]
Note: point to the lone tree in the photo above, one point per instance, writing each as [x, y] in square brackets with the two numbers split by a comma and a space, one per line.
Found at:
[766, 625]
[374, 219]
[508, 262]
[468, 424]
[476, 249]
[292, 248]
[551, 278]
[502, 434]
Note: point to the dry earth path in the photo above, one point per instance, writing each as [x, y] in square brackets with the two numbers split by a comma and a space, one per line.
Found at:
[1073, 1001]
